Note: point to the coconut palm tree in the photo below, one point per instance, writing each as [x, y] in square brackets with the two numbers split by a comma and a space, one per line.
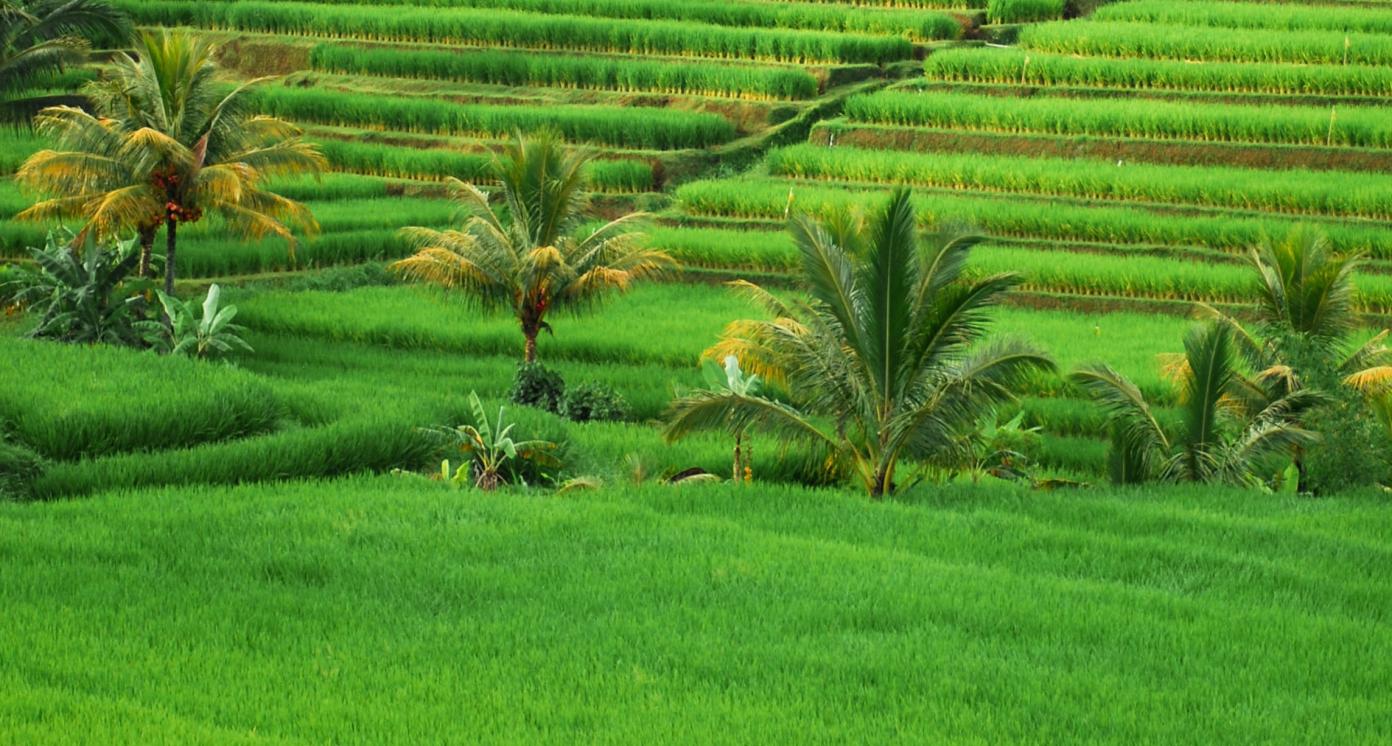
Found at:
[1228, 434]
[1305, 318]
[1306, 314]
[166, 145]
[39, 37]
[885, 361]
[532, 258]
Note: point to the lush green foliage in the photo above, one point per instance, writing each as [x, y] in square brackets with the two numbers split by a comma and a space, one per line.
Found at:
[1299, 191]
[40, 39]
[801, 15]
[418, 163]
[1024, 11]
[381, 604]
[206, 333]
[771, 200]
[534, 257]
[510, 28]
[1142, 39]
[536, 385]
[569, 71]
[1249, 15]
[608, 125]
[593, 402]
[78, 291]
[1022, 67]
[67, 402]
[1359, 127]
[891, 346]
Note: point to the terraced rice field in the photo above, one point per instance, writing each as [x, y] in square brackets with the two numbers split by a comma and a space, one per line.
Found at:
[1123, 161]
[1121, 157]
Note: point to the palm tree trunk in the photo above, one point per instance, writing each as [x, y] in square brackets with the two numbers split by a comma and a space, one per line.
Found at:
[147, 247]
[529, 354]
[171, 231]
[883, 482]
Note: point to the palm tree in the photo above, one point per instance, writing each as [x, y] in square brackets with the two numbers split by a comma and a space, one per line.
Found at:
[166, 145]
[39, 37]
[1232, 426]
[1305, 316]
[533, 259]
[884, 362]
[1306, 313]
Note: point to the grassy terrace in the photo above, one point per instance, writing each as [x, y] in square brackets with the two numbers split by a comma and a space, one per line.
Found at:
[262, 550]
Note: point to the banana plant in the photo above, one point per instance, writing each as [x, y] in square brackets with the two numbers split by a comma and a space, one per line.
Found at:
[492, 457]
[204, 333]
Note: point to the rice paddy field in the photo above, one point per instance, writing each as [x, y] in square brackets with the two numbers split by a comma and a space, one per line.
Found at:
[250, 552]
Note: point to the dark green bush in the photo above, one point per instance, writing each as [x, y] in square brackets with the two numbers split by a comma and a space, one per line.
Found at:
[536, 385]
[593, 402]
[19, 467]
[1353, 451]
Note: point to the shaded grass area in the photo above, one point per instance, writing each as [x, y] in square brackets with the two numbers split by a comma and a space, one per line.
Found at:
[380, 609]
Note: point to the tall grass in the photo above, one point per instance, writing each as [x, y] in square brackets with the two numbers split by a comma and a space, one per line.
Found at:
[1235, 15]
[636, 128]
[769, 200]
[1297, 191]
[67, 401]
[1116, 39]
[373, 442]
[1017, 67]
[800, 15]
[509, 28]
[568, 71]
[1024, 11]
[417, 163]
[1366, 127]
[956, 613]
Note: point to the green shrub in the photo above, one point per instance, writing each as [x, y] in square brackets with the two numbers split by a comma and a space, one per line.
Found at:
[536, 385]
[19, 467]
[1354, 449]
[593, 402]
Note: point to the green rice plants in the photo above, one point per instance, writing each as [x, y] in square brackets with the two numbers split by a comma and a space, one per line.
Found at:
[770, 200]
[67, 402]
[1117, 39]
[917, 370]
[1249, 15]
[417, 163]
[1024, 11]
[1324, 193]
[1227, 437]
[532, 262]
[493, 459]
[607, 125]
[809, 16]
[1364, 127]
[566, 71]
[371, 441]
[1032, 67]
[510, 28]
